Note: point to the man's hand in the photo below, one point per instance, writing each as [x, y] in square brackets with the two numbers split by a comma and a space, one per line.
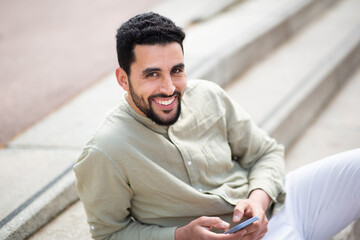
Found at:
[201, 227]
[256, 205]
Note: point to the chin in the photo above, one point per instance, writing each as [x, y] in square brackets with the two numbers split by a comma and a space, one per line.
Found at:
[165, 120]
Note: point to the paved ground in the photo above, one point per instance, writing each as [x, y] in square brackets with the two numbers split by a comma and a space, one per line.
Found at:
[52, 50]
[322, 135]
[336, 130]
[36, 168]
[50, 147]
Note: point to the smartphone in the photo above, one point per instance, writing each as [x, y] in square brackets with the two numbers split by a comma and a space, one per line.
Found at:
[242, 225]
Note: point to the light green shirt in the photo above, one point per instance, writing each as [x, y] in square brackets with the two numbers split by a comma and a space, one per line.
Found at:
[140, 180]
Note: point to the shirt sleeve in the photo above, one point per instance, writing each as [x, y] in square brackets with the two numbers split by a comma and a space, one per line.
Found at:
[260, 154]
[106, 195]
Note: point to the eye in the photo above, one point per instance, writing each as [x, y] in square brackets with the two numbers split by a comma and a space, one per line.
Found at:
[176, 70]
[152, 74]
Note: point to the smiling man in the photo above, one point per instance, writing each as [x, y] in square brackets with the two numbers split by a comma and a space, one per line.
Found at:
[180, 160]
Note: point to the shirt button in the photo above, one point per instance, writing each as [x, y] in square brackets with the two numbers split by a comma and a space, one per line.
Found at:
[189, 163]
[200, 190]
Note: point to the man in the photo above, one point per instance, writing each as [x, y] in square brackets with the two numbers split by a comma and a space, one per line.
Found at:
[177, 159]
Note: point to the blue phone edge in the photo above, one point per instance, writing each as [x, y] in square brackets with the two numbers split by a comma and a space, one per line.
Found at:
[242, 225]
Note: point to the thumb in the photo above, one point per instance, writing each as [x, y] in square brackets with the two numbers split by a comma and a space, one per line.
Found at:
[239, 212]
[215, 222]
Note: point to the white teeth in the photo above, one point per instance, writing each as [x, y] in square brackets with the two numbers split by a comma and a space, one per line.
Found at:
[165, 103]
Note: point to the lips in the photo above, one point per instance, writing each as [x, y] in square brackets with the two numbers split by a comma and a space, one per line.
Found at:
[165, 103]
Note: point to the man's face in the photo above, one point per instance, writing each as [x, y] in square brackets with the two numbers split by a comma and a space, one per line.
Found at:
[157, 81]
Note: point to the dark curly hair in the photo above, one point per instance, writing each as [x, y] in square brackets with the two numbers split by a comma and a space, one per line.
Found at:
[147, 28]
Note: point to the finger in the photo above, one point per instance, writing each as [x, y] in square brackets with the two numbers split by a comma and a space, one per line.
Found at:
[239, 211]
[251, 228]
[249, 212]
[250, 236]
[259, 224]
[233, 236]
[254, 236]
[239, 234]
[262, 233]
[261, 236]
[256, 227]
[215, 222]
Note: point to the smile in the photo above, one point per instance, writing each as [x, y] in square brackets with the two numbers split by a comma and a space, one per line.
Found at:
[165, 103]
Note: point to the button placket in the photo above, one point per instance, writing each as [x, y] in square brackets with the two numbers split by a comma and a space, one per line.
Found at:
[187, 158]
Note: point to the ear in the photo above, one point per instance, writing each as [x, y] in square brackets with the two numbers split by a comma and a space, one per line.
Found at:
[122, 78]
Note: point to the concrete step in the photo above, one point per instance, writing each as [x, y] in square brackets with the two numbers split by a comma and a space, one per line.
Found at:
[227, 44]
[188, 12]
[62, 227]
[321, 135]
[246, 39]
[285, 91]
[51, 146]
[337, 129]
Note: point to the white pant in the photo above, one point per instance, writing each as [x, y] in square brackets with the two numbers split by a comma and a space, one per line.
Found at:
[322, 199]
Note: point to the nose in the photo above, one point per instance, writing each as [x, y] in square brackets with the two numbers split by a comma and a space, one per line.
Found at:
[167, 85]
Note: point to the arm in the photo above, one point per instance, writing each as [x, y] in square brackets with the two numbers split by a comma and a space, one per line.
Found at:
[256, 152]
[106, 196]
[263, 158]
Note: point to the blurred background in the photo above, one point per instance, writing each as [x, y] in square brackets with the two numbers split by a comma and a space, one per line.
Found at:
[52, 50]
[294, 65]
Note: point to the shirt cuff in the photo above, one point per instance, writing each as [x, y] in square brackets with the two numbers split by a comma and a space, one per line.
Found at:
[274, 195]
[168, 233]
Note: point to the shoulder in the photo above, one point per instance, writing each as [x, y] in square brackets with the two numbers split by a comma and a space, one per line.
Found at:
[202, 100]
[114, 122]
[204, 86]
[210, 99]
[204, 91]
[106, 147]
[113, 133]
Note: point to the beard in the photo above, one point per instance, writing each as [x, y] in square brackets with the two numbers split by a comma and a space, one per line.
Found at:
[148, 110]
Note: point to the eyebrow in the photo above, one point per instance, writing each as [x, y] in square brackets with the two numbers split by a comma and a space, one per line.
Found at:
[180, 65]
[149, 70]
[155, 69]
